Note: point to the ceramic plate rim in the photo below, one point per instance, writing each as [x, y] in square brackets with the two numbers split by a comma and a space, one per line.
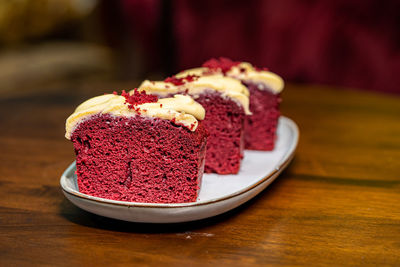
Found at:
[280, 166]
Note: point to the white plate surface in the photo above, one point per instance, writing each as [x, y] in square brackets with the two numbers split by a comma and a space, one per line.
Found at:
[219, 193]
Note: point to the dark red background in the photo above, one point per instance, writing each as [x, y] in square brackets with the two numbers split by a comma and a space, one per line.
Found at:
[348, 43]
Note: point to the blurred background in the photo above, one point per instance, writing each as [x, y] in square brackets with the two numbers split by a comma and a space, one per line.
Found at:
[344, 43]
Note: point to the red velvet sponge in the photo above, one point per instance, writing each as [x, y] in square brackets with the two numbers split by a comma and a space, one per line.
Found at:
[224, 122]
[260, 128]
[139, 159]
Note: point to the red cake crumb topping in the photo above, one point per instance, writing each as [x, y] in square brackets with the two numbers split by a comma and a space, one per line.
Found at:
[138, 98]
[261, 69]
[223, 64]
[181, 81]
[191, 78]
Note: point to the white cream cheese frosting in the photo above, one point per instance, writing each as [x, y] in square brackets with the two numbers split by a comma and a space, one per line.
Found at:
[181, 109]
[228, 87]
[247, 73]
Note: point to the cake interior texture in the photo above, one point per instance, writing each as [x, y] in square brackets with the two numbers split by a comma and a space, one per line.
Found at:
[260, 127]
[139, 159]
[224, 122]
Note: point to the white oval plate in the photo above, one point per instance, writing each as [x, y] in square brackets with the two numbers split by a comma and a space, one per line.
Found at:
[219, 193]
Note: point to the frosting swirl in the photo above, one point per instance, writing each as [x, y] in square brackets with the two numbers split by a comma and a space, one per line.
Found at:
[245, 72]
[181, 109]
[227, 86]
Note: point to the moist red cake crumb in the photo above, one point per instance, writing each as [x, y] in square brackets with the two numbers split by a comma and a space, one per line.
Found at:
[222, 64]
[139, 159]
[260, 127]
[181, 81]
[224, 122]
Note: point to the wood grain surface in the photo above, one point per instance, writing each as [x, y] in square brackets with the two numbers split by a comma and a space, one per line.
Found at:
[338, 203]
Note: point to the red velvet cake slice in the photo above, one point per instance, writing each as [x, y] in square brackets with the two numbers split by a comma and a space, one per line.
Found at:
[139, 148]
[264, 87]
[226, 103]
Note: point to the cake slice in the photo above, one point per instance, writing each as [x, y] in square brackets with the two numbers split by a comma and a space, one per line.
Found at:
[226, 103]
[139, 148]
[264, 87]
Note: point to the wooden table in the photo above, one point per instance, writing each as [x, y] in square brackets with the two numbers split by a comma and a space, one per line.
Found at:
[338, 203]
